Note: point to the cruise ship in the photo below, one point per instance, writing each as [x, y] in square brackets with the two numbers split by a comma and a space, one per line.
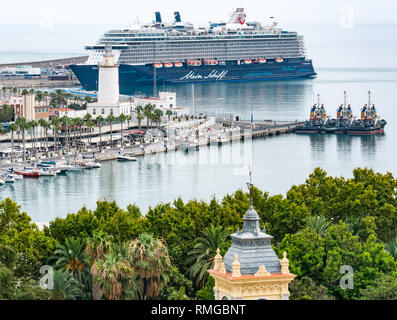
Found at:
[178, 52]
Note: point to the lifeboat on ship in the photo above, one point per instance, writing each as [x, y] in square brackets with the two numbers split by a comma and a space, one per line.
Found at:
[211, 62]
[247, 61]
[194, 63]
[158, 65]
[178, 64]
[262, 60]
[279, 60]
[168, 65]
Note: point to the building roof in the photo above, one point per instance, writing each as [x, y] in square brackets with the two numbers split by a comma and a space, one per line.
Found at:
[61, 109]
[42, 115]
[253, 247]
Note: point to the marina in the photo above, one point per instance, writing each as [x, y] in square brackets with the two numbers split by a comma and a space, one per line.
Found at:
[286, 102]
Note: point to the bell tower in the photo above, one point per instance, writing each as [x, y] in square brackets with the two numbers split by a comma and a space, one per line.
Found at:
[251, 270]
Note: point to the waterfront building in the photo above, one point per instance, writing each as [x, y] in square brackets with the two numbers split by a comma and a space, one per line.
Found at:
[109, 101]
[24, 106]
[251, 270]
[165, 101]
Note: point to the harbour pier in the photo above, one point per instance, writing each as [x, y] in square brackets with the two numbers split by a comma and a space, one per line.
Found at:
[180, 137]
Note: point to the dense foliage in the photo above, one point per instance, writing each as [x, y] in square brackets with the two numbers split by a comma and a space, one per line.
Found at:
[114, 253]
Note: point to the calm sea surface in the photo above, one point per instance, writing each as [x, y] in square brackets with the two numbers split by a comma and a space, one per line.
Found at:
[347, 61]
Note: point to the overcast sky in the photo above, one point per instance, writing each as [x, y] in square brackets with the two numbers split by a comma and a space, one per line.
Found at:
[124, 12]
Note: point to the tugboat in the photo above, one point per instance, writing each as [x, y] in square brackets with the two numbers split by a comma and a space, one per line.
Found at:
[344, 117]
[318, 116]
[369, 122]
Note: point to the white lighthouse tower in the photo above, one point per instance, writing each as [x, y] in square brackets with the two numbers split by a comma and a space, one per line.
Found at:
[109, 92]
[109, 101]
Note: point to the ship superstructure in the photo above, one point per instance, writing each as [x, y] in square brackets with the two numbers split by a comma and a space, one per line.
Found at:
[181, 52]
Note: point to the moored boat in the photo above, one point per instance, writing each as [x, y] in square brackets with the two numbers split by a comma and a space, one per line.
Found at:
[48, 172]
[28, 173]
[8, 178]
[126, 157]
[90, 165]
[317, 119]
[369, 122]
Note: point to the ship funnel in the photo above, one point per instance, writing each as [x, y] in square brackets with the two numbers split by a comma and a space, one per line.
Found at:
[177, 16]
[158, 17]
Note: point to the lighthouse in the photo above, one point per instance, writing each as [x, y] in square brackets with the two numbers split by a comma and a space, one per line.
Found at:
[109, 101]
[108, 90]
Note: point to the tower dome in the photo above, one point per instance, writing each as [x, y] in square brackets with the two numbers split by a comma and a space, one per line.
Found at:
[253, 247]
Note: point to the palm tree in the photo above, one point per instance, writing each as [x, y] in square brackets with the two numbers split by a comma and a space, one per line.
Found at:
[318, 224]
[45, 96]
[110, 119]
[55, 123]
[150, 259]
[22, 125]
[39, 96]
[392, 247]
[42, 123]
[157, 114]
[140, 116]
[99, 121]
[204, 251]
[70, 257]
[122, 119]
[46, 128]
[79, 100]
[65, 286]
[111, 272]
[79, 123]
[32, 126]
[4, 89]
[96, 248]
[87, 99]
[58, 98]
[90, 124]
[148, 113]
[128, 118]
[66, 122]
[87, 117]
[2, 131]
[12, 128]
[169, 114]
